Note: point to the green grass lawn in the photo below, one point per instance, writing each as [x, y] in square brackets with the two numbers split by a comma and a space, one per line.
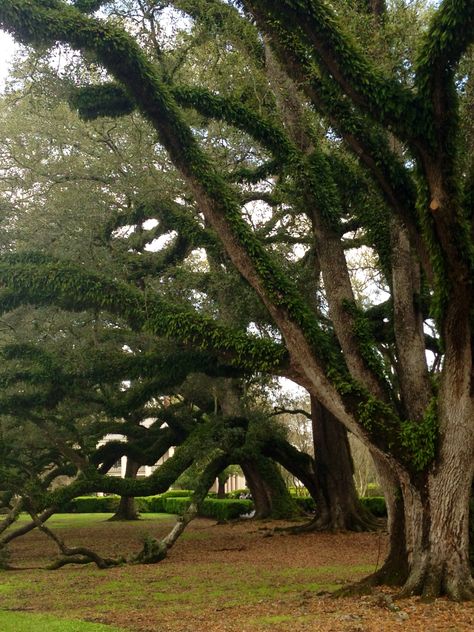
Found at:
[71, 520]
[220, 577]
[26, 622]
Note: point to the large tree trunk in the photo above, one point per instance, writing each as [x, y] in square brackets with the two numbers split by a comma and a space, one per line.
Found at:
[395, 568]
[337, 504]
[428, 517]
[221, 481]
[270, 495]
[127, 509]
[437, 519]
[439, 561]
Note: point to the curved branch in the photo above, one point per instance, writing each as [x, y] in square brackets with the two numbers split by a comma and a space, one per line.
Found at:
[26, 528]
[155, 551]
[12, 515]
[159, 481]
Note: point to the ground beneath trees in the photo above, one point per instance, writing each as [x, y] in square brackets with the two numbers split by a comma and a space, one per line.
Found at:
[219, 578]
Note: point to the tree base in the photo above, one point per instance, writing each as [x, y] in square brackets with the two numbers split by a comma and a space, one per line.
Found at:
[122, 518]
[356, 522]
[429, 584]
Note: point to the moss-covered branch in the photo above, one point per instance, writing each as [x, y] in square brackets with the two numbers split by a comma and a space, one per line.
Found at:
[121, 55]
[322, 34]
[43, 281]
[449, 35]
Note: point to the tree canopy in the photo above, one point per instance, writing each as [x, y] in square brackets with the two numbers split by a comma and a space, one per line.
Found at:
[296, 148]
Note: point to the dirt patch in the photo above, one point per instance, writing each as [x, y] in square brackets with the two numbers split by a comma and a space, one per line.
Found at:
[221, 578]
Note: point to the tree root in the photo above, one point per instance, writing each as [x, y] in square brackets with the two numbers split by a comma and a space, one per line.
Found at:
[431, 585]
[119, 518]
[356, 522]
[419, 584]
[24, 529]
[84, 559]
[356, 589]
[393, 573]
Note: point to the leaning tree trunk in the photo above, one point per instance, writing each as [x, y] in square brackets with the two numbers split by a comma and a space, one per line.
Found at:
[271, 496]
[127, 509]
[258, 490]
[337, 504]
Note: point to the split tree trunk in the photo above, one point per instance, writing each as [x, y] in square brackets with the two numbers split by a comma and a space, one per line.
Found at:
[221, 481]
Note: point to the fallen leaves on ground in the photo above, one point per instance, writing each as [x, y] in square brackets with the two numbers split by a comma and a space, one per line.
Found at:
[241, 577]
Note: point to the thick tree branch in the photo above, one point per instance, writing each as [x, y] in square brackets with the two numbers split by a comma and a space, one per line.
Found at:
[42, 281]
[319, 30]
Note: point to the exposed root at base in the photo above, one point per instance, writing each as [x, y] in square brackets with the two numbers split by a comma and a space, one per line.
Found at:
[357, 524]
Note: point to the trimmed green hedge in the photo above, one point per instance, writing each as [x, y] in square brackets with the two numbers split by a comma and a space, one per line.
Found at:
[176, 505]
[177, 501]
[92, 504]
[177, 493]
[109, 504]
[227, 509]
[237, 493]
[375, 504]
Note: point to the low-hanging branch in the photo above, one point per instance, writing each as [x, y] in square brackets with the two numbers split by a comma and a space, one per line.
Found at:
[43, 280]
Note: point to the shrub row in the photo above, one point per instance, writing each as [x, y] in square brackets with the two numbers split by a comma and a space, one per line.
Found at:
[375, 504]
[218, 509]
[109, 504]
[227, 509]
[177, 501]
[92, 504]
[177, 493]
[237, 493]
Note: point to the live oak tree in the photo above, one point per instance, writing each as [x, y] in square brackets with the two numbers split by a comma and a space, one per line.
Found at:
[114, 235]
[48, 430]
[67, 428]
[410, 176]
